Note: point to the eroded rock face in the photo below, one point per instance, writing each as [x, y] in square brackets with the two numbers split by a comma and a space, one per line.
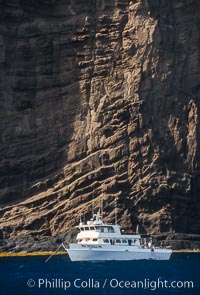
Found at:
[99, 99]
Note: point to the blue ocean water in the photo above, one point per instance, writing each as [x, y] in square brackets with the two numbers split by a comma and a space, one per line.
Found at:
[59, 276]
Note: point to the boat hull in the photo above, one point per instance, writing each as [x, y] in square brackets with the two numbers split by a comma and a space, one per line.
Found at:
[78, 252]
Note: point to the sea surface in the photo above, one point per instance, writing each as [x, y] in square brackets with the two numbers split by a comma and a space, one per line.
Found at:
[59, 276]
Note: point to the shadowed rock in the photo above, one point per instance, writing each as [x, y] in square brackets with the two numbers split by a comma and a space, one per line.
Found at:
[99, 99]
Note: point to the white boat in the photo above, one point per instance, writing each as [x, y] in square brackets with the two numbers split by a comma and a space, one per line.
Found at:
[97, 240]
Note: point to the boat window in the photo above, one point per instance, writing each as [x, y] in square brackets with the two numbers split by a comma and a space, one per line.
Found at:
[94, 240]
[112, 242]
[134, 241]
[110, 229]
[102, 229]
[118, 241]
[92, 228]
[86, 228]
[105, 240]
[80, 240]
[124, 241]
[81, 228]
[105, 229]
[97, 228]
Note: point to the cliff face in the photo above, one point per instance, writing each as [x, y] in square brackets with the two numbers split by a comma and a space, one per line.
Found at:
[99, 98]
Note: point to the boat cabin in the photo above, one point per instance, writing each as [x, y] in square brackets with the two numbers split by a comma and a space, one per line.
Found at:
[96, 231]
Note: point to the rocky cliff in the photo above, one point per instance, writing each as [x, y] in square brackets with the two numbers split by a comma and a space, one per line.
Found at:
[99, 99]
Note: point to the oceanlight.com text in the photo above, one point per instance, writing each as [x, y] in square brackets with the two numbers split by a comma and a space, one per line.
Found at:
[151, 284]
[113, 283]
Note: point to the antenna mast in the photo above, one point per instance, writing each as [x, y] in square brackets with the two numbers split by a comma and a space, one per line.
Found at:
[115, 211]
[137, 229]
[101, 206]
[93, 205]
